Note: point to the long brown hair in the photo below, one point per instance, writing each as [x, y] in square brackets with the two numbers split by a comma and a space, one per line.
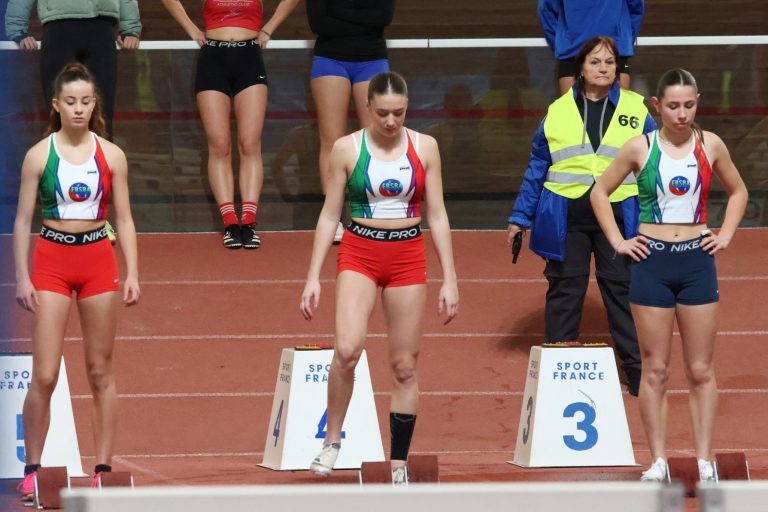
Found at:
[73, 72]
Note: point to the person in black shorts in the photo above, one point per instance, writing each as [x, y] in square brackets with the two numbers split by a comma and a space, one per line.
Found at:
[230, 71]
[78, 30]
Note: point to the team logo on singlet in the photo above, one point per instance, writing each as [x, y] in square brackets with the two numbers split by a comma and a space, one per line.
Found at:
[390, 188]
[79, 192]
[679, 185]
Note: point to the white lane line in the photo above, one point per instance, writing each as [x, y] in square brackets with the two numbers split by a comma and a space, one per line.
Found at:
[429, 335]
[269, 394]
[135, 468]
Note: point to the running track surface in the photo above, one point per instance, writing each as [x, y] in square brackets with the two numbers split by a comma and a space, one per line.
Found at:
[196, 361]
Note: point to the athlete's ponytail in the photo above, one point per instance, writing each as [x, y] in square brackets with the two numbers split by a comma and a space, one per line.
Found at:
[73, 72]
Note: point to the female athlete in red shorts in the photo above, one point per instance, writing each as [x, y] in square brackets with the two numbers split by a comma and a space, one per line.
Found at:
[385, 169]
[74, 170]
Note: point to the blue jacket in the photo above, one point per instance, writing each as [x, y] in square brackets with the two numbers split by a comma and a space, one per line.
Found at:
[568, 24]
[546, 213]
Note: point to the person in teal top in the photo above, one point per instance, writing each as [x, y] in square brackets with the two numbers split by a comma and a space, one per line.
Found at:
[78, 30]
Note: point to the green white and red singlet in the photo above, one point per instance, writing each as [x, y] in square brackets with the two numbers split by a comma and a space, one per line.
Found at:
[674, 190]
[75, 192]
[386, 190]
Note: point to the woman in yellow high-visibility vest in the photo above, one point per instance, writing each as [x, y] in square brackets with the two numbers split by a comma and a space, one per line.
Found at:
[574, 144]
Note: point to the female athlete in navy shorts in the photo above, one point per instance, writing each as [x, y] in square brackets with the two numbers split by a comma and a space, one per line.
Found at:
[386, 170]
[674, 275]
[74, 170]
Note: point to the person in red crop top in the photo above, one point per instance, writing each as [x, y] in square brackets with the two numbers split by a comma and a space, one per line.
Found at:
[230, 70]
[73, 254]
[381, 252]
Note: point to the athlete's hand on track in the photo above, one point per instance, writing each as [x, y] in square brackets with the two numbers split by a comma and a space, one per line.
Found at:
[131, 292]
[26, 296]
[448, 301]
[636, 248]
[310, 299]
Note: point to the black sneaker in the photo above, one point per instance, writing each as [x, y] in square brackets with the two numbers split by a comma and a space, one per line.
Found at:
[232, 238]
[250, 239]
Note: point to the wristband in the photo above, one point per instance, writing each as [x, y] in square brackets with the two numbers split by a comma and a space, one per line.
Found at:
[262, 31]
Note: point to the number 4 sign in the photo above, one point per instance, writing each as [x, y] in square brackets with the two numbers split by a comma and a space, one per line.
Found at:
[297, 425]
[573, 412]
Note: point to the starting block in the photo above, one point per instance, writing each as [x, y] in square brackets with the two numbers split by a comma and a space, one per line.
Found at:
[50, 481]
[48, 484]
[420, 469]
[686, 471]
[728, 466]
[732, 466]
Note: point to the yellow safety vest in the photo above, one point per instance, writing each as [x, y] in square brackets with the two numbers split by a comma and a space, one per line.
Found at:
[575, 165]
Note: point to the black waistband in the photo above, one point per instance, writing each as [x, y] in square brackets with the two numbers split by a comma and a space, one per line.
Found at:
[683, 246]
[384, 235]
[64, 238]
[231, 44]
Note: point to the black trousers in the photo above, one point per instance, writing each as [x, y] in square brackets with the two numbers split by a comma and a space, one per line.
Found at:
[90, 41]
[568, 282]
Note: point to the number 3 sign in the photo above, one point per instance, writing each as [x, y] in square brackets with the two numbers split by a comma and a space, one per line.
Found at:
[572, 412]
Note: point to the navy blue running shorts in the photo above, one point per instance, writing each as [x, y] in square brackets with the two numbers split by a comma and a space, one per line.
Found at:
[674, 273]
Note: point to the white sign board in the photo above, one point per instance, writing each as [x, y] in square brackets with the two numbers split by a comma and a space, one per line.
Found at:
[296, 428]
[61, 448]
[573, 412]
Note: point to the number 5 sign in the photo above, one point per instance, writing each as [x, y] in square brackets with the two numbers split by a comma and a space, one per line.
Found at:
[573, 412]
[297, 425]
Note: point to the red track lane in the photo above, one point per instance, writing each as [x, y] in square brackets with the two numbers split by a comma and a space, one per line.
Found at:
[196, 390]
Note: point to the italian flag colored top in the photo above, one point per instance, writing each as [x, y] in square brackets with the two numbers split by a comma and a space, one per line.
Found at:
[674, 191]
[386, 190]
[75, 191]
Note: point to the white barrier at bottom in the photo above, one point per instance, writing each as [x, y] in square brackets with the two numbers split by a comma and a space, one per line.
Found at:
[733, 496]
[497, 497]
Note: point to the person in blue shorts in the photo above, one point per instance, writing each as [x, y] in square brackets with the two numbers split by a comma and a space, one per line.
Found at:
[673, 277]
[350, 49]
